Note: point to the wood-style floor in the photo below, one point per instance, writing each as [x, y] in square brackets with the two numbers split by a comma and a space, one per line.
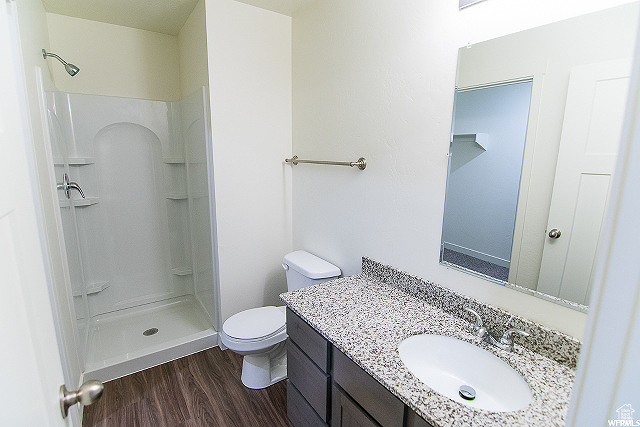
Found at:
[203, 389]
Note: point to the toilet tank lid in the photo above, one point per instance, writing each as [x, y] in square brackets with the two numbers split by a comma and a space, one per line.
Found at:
[310, 265]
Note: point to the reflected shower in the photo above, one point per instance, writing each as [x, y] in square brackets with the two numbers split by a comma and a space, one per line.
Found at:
[71, 69]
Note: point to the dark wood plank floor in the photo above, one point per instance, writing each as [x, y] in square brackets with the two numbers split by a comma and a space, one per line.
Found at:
[203, 389]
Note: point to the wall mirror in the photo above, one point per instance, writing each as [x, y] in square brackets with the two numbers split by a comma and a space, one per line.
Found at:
[535, 131]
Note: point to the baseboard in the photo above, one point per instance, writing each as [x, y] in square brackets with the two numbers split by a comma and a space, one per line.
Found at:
[477, 254]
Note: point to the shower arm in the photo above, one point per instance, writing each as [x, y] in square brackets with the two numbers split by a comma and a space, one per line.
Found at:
[45, 54]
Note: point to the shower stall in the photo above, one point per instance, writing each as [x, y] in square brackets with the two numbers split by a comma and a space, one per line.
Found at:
[136, 205]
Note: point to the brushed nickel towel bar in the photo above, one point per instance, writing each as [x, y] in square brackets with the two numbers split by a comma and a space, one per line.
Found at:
[361, 163]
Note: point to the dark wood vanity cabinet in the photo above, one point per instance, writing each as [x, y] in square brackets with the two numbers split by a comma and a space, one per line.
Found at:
[325, 387]
[308, 374]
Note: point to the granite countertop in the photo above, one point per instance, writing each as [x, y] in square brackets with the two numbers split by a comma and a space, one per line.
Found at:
[366, 319]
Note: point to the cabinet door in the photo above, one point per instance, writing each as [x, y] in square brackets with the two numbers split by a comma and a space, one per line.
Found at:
[300, 413]
[379, 402]
[346, 413]
[415, 420]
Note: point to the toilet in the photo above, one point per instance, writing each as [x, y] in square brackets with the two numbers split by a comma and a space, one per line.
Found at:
[259, 334]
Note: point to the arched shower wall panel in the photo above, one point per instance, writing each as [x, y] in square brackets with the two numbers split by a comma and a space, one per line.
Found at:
[133, 215]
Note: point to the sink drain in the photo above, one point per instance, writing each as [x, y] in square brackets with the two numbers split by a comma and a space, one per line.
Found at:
[467, 392]
[150, 331]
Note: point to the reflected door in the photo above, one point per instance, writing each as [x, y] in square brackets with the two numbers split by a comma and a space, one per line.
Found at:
[586, 160]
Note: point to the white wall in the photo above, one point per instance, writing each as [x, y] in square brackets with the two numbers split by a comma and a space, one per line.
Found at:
[249, 52]
[482, 185]
[192, 50]
[375, 78]
[114, 60]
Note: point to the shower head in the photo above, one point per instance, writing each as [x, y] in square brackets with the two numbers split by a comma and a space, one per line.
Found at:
[71, 69]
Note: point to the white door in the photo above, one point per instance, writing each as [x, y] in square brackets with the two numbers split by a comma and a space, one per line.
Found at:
[31, 366]
[591, 132]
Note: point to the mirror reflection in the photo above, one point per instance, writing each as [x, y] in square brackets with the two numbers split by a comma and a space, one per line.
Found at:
[535, 129]
[489, 130]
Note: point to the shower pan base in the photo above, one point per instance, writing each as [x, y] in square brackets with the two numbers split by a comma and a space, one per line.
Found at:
[127, 341]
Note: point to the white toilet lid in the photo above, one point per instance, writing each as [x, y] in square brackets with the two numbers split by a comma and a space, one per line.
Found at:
[255, 323]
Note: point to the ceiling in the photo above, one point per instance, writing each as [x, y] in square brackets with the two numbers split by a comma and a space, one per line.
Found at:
[285, 7]
[162, 16]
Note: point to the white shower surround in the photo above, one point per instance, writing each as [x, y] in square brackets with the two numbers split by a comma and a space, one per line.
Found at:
[142, 237]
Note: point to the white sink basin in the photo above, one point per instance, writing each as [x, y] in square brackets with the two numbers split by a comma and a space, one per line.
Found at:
[445, 364]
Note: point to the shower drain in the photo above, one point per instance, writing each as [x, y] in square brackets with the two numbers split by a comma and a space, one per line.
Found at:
[150, 331]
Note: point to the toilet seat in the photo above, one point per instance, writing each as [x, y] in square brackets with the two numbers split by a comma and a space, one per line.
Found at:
[256, 323]
[255, 328]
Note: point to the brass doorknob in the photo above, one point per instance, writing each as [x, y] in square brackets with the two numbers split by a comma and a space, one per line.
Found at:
[554, 234]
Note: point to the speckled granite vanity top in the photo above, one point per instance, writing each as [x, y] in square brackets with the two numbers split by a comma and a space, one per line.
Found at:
[366, 316]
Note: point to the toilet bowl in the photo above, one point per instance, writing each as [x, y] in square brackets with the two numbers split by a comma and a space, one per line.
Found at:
[259, 334]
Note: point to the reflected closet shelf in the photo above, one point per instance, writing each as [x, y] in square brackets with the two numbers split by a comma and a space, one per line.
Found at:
[482, 139]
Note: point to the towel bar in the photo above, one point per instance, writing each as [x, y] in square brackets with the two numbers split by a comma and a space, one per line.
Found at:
[361, 163]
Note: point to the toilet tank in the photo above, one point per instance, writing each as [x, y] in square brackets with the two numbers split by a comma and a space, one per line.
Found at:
[305, 269]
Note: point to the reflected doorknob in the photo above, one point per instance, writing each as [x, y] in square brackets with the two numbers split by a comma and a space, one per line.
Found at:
[555, 233]
[86, 394]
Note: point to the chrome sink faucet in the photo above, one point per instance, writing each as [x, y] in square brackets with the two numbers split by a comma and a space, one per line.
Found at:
[505, 343]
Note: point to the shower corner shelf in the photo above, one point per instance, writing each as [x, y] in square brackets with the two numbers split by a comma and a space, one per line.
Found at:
[93, 288]
[181, 271]
[197, 162]
[80, 203]
[199, 194]
[174, 195]
[174, 160]
[183, 196]
[74, 161]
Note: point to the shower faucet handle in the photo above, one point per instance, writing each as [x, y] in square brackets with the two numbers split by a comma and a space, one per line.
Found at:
[67, 185]
[75, 186]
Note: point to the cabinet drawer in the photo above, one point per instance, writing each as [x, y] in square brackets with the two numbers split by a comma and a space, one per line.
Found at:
[308, 379]
[346, 413]
[309, 341]
[300, 413]
[379, 402]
